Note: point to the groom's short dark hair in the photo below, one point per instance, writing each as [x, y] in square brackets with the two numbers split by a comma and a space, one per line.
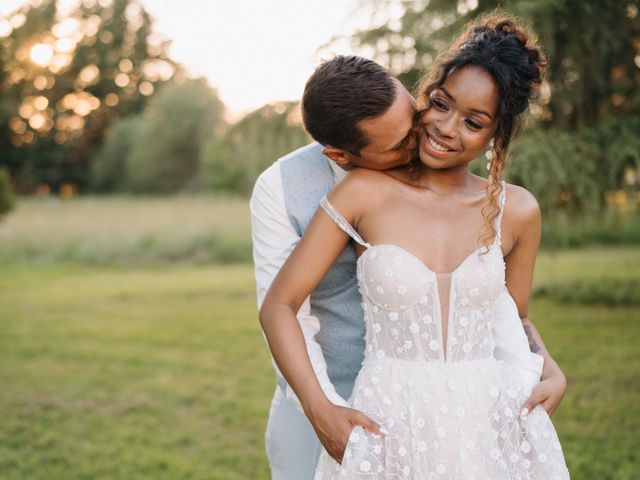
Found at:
[341, 93]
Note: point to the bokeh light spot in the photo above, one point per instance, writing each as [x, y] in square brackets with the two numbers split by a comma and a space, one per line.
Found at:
[146, 88]
[122, 80]
[125, 65]
[37, 121]
[41, 54]
[41, 102]
[111, 99]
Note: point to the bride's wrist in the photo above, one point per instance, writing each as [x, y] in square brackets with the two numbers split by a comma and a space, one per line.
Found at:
[316, 406]
[551, 370]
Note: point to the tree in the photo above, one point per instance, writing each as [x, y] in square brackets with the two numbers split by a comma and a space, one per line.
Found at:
[583, 144]
[6, 195]
[64, 80]
[108, 168]
[577, 171]
[159, 150]
[593, 48]
[233, 162]
[166, 149]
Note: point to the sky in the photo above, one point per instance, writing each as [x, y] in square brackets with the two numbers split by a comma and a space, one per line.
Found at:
[252, 51]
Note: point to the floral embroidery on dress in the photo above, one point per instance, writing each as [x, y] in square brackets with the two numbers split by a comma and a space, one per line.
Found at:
[450, 407]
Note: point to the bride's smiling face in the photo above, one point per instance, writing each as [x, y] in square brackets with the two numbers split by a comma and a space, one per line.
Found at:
[461, 119]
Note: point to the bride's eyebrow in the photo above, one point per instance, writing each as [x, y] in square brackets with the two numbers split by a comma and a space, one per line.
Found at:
[475, 110]
[447, 93]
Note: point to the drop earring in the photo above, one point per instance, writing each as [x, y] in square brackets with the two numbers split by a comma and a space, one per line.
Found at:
[490, 154]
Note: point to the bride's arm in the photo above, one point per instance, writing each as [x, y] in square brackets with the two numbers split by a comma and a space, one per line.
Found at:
[316, 252]
[274, 238]
[525, 220]
[511, 343]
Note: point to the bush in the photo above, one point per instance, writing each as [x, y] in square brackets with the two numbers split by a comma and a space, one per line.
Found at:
[574, 172]
[165, 153]
[108, 168]
[159, 151]
[611, 292]
[561, 229]
[233, 162]
[6, 193]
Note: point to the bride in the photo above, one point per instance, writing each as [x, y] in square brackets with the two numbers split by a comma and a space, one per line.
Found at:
[437, 246]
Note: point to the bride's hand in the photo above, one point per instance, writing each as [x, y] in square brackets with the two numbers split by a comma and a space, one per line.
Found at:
[548, 393]
[333, 425]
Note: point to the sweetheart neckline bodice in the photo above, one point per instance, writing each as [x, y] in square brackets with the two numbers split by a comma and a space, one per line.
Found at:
[424, 265]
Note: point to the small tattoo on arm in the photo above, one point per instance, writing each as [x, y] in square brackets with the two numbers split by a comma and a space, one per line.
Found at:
[533, 346]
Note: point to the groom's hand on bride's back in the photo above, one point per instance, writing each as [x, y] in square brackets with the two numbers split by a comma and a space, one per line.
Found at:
[333, 425]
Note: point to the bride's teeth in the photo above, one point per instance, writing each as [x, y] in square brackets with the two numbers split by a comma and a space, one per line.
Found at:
[436, 145]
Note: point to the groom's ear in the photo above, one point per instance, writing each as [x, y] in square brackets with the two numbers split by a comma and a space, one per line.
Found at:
[337, 155]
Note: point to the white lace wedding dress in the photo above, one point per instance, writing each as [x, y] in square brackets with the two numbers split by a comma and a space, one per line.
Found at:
[452, 410]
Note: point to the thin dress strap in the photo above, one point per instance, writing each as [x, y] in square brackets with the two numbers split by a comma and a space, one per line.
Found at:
[501, 202]
[341, 222]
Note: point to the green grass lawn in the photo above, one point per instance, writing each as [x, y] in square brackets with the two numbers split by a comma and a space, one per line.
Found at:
[127, 230]
[116, 362]
[162, 373]
[154, 373]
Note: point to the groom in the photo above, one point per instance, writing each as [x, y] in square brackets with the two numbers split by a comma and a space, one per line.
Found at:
[360, 116]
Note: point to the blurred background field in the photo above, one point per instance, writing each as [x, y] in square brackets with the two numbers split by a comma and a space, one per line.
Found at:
[129, 340]
[104, 230]
[128, 229]
[123, 361]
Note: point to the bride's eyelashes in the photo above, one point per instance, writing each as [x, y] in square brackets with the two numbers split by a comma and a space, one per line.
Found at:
[472, 124]
[441, 105]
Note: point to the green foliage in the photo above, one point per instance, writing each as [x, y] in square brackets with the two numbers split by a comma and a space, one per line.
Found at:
[611, 292]
[166, 146]
[562, 229]
[6, 193]
[584, 150]
[159, 150]
[108, 167]
[233, 162]
[592, 47]
[574, 171]
[559, 169]
[113, 63]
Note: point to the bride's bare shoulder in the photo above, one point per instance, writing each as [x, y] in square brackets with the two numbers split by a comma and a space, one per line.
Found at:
[521, 209]
[520, 201]
[360, 190]
[361, 182]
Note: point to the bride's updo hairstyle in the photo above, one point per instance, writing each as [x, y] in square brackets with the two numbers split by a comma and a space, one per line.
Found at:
[511, 55]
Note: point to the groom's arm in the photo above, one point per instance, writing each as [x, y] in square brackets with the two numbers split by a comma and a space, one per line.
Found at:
[274, 238]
